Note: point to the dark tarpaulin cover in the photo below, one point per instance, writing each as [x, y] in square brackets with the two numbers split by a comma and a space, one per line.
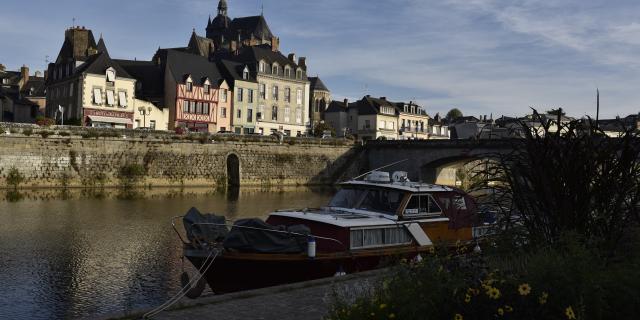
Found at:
[261, 241]
[198, 233]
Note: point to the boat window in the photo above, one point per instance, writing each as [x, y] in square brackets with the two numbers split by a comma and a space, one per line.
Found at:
[346, 198]
[422, 205]
[379, 237]
[459, 203]
[383, 201]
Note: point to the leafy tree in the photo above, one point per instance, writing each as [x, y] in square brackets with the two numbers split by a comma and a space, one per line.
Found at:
[321, 127]
[453, 114]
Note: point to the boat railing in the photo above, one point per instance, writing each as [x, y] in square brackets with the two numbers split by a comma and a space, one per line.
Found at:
[173, 223]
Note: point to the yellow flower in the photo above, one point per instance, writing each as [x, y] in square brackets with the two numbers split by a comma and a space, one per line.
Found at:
[501, 311]
[382, 306]
[569, 313]
[392, 316]
[473, 291]
[467, 298]
[543, 298]
[373, 314]
[493, 293]
[508, 308]
[458, 317]
[524, 289]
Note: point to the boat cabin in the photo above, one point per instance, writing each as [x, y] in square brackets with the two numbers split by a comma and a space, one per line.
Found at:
[383, 211]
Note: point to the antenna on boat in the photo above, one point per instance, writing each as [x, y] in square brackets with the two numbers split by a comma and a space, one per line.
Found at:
[389, 165]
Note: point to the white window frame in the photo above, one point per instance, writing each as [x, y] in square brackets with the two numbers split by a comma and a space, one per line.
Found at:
[298, 116]
[111, 75]
[433, 215]
[299, 97]
[364, 229]
[287, 114]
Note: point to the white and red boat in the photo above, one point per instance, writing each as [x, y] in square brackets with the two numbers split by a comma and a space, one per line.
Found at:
[367, 223]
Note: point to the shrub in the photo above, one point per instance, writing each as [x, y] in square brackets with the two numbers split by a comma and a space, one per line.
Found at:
[44, 122]
[13, 131]
[27, 132]
[130, 175]
[64, 133]
[181, 130]
[45, 134]
[89, 134]
[14, 178]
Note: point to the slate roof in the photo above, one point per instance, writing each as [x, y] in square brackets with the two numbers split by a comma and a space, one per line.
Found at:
[99, 63]
[252, 54]
[180, 64]
[337, 106]
[317, 84]
[232, 71]
[369, 105]
[200, 45]
[38, 85]
[248, 26]
[66, 52]
[150, 77]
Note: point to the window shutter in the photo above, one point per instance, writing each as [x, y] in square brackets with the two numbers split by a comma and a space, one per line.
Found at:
[110, 98]
[123, 98]
[97, 96]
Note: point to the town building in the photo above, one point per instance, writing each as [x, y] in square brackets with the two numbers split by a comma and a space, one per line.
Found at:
[413, 121]
[320, 97]
[21, 95]
[86, 87]
[367, 119]
[244, 86]
[337, 116]
[438, 128]
[231, 34]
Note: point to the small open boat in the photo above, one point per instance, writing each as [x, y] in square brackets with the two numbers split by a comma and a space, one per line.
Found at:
[368, 222]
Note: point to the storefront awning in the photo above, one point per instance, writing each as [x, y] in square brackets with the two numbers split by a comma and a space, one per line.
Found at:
[110, 120]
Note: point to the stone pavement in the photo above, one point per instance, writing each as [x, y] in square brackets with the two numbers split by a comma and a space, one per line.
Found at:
[306, 300]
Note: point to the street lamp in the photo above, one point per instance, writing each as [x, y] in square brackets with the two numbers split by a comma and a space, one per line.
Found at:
[144, 113]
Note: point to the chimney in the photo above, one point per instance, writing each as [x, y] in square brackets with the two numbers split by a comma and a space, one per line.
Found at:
[2, 67]
[346, 103]
[302, 63]
[24, 72]
[275, 44]
[292, 57]
[383, 98]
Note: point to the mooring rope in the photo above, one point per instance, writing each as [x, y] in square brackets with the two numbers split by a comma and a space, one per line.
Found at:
[183, 292]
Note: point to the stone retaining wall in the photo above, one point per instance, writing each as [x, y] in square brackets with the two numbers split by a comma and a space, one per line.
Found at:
[58, 161]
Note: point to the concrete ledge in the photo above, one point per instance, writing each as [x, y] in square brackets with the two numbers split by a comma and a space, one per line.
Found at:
[186, 303]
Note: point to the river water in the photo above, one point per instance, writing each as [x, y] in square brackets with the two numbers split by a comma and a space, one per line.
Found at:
[90, 255]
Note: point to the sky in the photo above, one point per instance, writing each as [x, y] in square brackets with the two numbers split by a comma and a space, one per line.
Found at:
[485, 57]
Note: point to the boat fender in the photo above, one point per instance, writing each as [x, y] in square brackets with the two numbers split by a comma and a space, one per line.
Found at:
[340, 272]
[194, 291]
[417, 259]
[311, 248]
[477, 248]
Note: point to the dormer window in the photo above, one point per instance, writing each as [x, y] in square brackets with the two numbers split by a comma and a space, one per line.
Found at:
[299, 74]
[245, 73]
[111, 75]
[189, 84]
[287, 72]
[274, 69]
[206, 85]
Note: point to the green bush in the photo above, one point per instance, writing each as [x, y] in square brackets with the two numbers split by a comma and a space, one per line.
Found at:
[547, 284]
[27, 132]
[45, 134]
[14, 178]
[130, 175]
[64, 133]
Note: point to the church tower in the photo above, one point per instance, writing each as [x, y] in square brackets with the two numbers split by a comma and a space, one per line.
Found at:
[217, 28]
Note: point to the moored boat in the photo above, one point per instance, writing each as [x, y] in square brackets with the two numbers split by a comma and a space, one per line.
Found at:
[380, 218]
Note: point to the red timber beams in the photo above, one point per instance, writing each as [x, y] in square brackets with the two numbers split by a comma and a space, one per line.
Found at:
[196, 105]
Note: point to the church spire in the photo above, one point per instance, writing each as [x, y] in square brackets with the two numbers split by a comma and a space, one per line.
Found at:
[222, 8]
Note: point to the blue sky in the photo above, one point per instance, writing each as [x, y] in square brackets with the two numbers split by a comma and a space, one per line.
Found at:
[483, 56]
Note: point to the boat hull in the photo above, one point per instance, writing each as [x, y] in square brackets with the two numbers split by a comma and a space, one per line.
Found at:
[231, 272]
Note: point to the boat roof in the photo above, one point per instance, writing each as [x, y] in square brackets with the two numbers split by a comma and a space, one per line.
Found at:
[403, 186]
[346, 218]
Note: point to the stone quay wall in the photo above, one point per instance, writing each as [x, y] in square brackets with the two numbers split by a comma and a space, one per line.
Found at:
[74, 161]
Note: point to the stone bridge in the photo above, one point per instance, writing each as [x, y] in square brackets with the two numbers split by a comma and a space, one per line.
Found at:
[424, 158]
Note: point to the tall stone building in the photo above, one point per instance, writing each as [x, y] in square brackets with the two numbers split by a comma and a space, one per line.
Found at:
[93, 89]
[21, 95]
[245, 31]
[320, 98]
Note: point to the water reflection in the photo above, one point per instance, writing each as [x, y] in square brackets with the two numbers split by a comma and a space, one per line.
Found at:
[97, 253]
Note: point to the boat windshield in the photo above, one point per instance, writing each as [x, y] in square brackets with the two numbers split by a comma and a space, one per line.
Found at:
[347, 198]
[378, 200]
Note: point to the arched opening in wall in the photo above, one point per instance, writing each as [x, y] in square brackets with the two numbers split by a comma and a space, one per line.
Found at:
[453, 171]
[233, 170]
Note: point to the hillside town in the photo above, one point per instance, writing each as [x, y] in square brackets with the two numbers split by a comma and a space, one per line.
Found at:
[233, 79]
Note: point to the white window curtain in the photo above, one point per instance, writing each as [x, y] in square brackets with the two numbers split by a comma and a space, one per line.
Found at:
[110, 98]
[122, 97]
[299, 116]
[97, 96]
